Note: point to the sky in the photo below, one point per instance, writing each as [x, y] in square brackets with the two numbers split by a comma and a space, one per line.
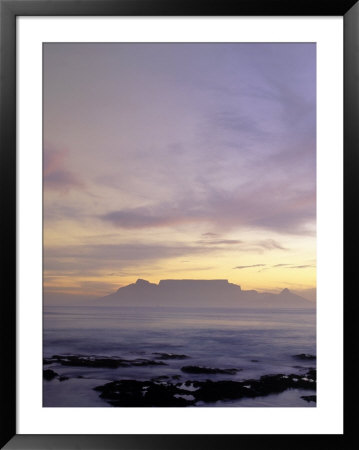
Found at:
[179, 161]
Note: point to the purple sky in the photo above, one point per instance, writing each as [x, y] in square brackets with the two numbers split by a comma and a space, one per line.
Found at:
[160, 153]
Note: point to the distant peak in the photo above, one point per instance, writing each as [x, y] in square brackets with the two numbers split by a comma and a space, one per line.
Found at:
[194, 281]
[141, 282]
[285, 291]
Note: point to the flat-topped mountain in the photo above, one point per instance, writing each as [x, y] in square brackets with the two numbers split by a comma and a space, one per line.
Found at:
[200, 293]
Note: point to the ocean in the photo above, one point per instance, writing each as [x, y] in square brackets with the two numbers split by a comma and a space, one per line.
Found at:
[251, 343]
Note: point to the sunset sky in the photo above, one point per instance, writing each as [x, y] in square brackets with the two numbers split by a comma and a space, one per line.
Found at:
[179, 161]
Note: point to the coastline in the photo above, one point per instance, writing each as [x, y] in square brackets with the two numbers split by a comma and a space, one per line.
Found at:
[173, 391]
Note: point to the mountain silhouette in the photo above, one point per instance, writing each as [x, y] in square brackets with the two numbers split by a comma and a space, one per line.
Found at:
[200, 293]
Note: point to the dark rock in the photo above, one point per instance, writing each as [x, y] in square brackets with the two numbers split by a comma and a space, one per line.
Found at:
[103, 361]
[165, 356]
[160, 378]
[142, 393]
[165, 395]
[144, 362]
[49, 374]
[209, 370]
[254, 360]
[49, 360]
[151, 393]
[63, 378]
[176, 377]
[309, 398]
[305, 357]
[312, 374]
[211, 391]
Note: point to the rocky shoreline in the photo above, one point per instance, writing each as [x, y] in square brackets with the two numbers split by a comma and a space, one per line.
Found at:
[168, 394]
[169, 391]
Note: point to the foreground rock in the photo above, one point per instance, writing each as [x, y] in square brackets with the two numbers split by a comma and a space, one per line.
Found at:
[143, 393]
[49, 374]
[208, 370]
[305, 357]
[169, 356]
[157, 394]
[309, 398]
[100, 361]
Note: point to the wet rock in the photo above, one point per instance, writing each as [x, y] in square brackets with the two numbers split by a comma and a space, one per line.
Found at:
[309, 398]
[151, 393]
[312, 374]
[176, 377]
[212, 391]
[305, 357]
[160, 378]
[208, 370]
[166, 395]
[103, 361]
[49, 360]
[143, 393]
[49, 374]
[165, 356]
[63, 378]
[145, 362]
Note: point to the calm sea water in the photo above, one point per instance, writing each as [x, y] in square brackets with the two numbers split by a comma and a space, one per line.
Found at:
[259, 342]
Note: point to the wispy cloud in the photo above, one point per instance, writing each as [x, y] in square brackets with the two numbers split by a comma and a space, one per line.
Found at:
[221, 242]
[270, 244]
[269, 267]
[264, 207]
[247, 267]
[85, 258]
[290, 266]
[304, 266]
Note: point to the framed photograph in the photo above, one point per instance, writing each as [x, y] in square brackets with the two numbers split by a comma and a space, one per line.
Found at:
[174, 219]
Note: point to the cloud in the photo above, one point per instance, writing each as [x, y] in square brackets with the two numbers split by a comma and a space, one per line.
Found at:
[292, 266]
[270, 207]
[142, 218]
[237, 124]
[54, 160]
[266, 267]
[91, 258]
[62, 180]
[221, 242]
[190, 269]
[304, 266]
[55, 211]
[56, 175]
[241, 155]
[252, 265]
[88, 258]
[270, 244]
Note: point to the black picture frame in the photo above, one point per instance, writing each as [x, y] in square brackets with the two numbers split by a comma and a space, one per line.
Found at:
[9, 10]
